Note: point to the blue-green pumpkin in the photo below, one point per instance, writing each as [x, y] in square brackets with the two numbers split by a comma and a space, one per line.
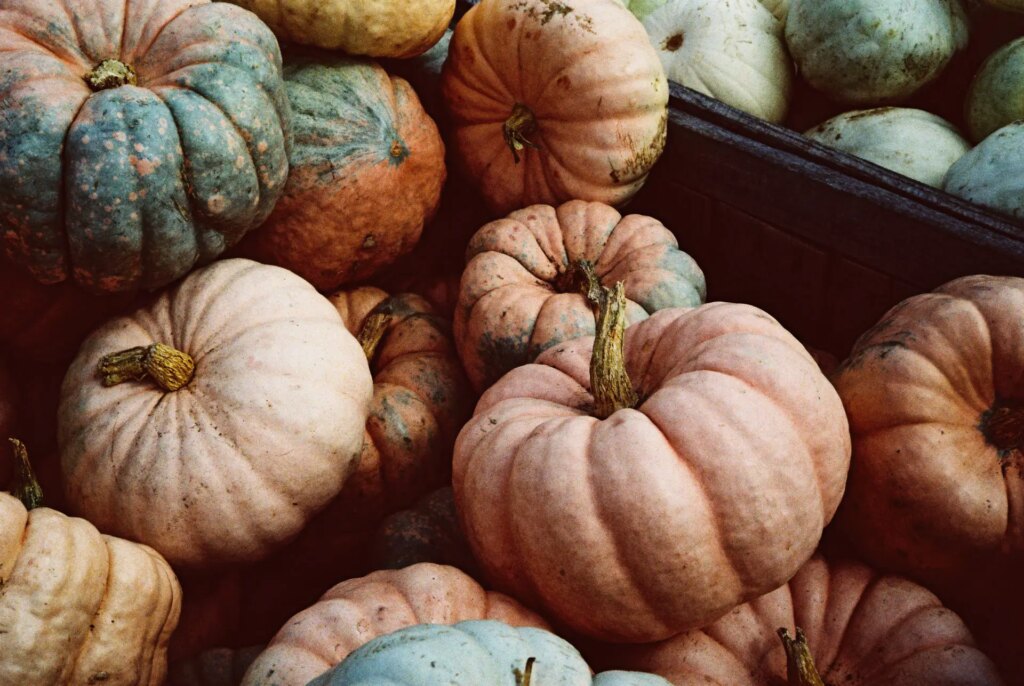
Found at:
[138, 138]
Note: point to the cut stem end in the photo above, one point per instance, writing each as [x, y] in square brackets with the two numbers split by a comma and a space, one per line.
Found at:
[110, 74]
[520, 124]
[169, 368]
[800, 668]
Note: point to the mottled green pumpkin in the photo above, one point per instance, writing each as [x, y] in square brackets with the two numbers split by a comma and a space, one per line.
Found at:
[992, 173]
[996, 97]
[427, 532]
[138, 138]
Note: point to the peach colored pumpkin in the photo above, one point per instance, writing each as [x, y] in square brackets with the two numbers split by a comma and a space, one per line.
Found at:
[936, 410]
[554, 100]
[260, 438]
[710, 489]
[863, 629]
[520, 292]
[358, 610]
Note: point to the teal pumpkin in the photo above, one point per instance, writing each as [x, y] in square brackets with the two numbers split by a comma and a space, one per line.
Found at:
[137, 138]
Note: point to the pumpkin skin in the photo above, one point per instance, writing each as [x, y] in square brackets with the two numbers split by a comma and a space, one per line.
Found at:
[358, 610]
[873, 51]
[932, 488]
[633, 528]
[863, 629]
[517, 296]
[80, 607]
[129, 187]
[732, 50]
[996, 97]
[641, 8]
[908, 141]
[233, 464]
[216, 667]
[595, 137]
[428, 532]
[367, 168]
[378, 28]
[990, 173]
[471, 653]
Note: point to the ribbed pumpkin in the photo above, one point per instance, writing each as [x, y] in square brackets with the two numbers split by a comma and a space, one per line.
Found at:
[254, 423]
[427, 532]
[996, 96]
[862, 628]
[552, 101]
[76, 606]
[139, 137]
[936, 411]
[520, 292]
[367, 168]
[358, 610]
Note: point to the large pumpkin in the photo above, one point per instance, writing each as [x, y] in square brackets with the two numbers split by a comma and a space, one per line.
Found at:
[257, 420]
[520, 291]
[367, 168]
[936, 410]
[697, 474]
[139, 137]
[862, 628]
[554, 100]
[358, 610]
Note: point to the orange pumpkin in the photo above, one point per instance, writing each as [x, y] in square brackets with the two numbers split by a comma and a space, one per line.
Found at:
[551, 101]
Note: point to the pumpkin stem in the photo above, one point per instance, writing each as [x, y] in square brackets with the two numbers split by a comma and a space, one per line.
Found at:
[372, 332]
[169, 368]
[580, 278]
[110, 74]
[523, 678]
[609, 381]
[800, 669]
[1003, 427]
[518, 126]
[26, 488]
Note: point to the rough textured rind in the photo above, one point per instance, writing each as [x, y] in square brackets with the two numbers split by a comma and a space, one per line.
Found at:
[990, 174]
[996, 96]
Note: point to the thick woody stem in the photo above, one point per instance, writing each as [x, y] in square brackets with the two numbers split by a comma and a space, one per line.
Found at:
[26, 487]
[609, 381]
[169, 368]
[800, 669]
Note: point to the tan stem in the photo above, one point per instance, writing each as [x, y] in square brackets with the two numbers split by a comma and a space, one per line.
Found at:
[520, 124]
[1003, 427]
[26, 487]
[523, 678]
[372, 332]
[169, 368]
[110, 74]
[609, 381]
[800, 669]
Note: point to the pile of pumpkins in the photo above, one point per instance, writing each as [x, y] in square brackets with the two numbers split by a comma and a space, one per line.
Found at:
[307, 411]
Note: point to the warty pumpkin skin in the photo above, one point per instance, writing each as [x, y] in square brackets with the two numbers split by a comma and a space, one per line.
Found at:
[519, 293]
[234, 463]
[358, 610]
[711, 490]
[552, 101]
[863, 628]
[367, 168]
[164, 166]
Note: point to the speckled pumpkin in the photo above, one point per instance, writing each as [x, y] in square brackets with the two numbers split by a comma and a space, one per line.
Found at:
[992, 173]
[138, 138]
[427, 532]
[552, 101]
[996, 96]
[367, 169]
[520, 291]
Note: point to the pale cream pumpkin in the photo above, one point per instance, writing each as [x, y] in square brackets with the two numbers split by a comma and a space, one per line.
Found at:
[234, 462]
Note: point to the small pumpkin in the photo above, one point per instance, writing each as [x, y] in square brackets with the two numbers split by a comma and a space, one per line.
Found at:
[428, 532]
[520, 292]
[77, 606]
[215, 667]
[241, 415]
[367, 168]
[996, 97]
[472, 653]
[358, 610]
[139, 138]
[990, 173]
[536, 117]
[592, 483]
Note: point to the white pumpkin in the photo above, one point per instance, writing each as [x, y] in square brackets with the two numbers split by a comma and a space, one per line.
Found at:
[780, 8]
[996, 97]
[873, 51]
[908, 141]
[732, 50]
[992, 174]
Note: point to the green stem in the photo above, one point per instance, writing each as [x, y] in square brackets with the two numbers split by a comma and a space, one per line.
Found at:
[26, 487]
[609, 381]
[110, 74]
[169, 368]
[520, 124]
[800, 669]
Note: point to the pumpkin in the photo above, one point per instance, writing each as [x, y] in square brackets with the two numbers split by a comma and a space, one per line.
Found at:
[861, 628]
[873, 51]
[428, 532]
[139, 137]
[552, 101]
[472, 653]
[520, 291]
[779, 8]
[215, 667]
[641, 8]
[77, 606]
[593, 483]
[367, 168]
[240, 416]
[996, 97]
[424, 75]
[990, 173]
[378, 28]
[936, 416]
[358, 610]
[908, 141]
[732, 50]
